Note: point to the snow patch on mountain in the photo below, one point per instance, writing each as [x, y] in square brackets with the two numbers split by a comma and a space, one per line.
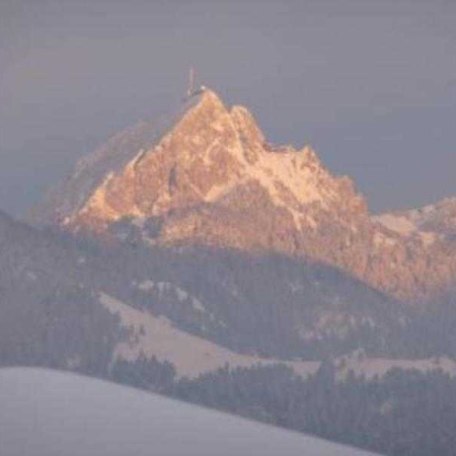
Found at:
[156, 336]
[371, 367]
[428, 222]
[191, 355]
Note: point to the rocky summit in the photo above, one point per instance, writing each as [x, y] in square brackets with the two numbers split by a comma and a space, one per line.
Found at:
[207, 176]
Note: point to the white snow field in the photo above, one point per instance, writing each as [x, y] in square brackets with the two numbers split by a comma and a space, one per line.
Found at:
[51, 413]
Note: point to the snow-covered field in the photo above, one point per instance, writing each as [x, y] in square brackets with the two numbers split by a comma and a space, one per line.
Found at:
[50, 413]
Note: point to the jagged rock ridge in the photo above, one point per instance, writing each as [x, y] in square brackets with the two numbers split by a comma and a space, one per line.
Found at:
[209, 177]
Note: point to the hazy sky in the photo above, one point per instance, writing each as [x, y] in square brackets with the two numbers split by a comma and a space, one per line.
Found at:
[371, 84]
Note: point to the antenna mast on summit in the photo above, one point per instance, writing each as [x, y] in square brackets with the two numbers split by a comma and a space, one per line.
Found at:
[191, 82]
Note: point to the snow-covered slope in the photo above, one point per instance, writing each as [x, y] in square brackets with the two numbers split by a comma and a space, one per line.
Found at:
[50, 413]
[190, 355]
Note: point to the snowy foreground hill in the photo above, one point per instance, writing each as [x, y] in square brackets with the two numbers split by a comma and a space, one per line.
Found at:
[50, 413]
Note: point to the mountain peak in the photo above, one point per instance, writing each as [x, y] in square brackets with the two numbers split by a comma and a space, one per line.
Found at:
[208, 176]
[208, 97]
[209, 105]
[208, 159]
[202, 102]
[207, 154]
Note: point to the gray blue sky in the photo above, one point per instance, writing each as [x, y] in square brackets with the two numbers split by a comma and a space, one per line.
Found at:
[371, 84]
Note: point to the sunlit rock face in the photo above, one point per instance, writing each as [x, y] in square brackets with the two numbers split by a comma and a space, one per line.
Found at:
[207, 176]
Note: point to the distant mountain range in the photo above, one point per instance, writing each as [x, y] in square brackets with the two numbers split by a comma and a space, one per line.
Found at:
[208, 177]
[191, 257]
